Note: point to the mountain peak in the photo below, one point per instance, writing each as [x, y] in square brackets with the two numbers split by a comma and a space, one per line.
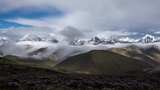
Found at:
[3, 40]
[31, 37]
[148, 39]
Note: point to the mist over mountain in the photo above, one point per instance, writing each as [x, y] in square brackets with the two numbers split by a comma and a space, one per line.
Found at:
[39, 43]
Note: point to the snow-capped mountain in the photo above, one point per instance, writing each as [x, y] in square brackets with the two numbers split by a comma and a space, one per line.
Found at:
[36, 44]
[38, 38]
[148, 39]
[3, 40]
[97, 40]
[31, 37]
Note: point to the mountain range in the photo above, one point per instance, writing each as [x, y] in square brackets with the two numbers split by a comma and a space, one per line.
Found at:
[113, 40]
[95, 55]
[44, 45]
[130, 60]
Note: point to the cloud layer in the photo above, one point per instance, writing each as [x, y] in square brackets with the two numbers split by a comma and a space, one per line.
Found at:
[90, 15]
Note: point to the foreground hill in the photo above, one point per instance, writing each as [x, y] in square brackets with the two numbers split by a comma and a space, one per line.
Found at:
[18, 77]
[103, 62]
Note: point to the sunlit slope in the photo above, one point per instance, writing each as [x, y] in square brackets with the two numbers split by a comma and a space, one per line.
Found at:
[102, 62]
[45, 63]
[150, 55]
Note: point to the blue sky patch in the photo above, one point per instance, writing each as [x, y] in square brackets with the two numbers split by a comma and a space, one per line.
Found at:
[28, 13]
[31, 13]
[5, 24]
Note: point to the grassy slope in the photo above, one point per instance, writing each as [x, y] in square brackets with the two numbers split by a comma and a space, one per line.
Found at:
[46, 63]
[150, 55]
[101, 62]
[79, 63]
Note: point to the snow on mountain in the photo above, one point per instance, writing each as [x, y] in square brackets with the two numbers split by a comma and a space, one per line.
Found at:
[31, 37]
[3, 40]
[96, 40]
[148, 39]
[102, 41]
[45, 44]
[78, 42]
[128, 40]
[38, 38]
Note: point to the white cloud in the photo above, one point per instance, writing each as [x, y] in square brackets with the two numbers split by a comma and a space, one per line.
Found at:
[32, 22]
[99, 15]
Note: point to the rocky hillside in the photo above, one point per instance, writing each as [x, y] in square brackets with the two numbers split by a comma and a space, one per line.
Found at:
[20, 77]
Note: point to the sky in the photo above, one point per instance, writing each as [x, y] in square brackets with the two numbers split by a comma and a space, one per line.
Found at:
[84, 16]
[73, 19]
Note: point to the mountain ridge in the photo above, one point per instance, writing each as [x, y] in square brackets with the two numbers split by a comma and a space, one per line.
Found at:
[102, 62]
